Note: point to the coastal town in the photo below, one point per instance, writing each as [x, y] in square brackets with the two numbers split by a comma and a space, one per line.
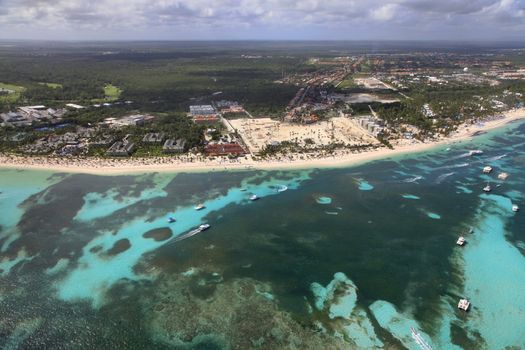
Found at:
[342, 106]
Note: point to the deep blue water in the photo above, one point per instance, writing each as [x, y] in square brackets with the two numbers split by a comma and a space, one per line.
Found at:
[345, 258]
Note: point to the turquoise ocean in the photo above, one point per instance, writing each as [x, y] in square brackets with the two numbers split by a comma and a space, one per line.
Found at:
[350, 258]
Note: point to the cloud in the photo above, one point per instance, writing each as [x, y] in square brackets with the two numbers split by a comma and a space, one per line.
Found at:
[385, 13]
[259, 17]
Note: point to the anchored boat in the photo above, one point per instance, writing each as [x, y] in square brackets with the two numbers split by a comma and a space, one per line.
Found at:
[463, 304]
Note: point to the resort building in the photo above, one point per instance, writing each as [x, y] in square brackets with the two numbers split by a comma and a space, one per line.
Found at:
[174, 146]
[74, 106]
[202, 110]
[372, 125]
[153, 137]
[224, 149]
[131, 120]
[121, 149]
[203, 119]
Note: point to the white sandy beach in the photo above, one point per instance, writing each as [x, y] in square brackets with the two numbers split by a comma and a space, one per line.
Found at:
[340, 158]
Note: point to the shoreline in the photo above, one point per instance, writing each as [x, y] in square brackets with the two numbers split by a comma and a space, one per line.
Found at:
[147, 165]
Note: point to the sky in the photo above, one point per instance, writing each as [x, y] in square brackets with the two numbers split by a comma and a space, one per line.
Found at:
[262, 19]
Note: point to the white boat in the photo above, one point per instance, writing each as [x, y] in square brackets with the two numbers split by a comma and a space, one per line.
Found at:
[254, 197]
[475, 152]
[487, 170]
[515, 208]
[199, 206]
[419, 339]
[503, 176]
[487, 188]
[282, 188]
[204, 227]
[461, 241]
[463, 304]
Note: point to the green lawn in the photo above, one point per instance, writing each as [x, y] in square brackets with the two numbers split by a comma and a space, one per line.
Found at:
[13, 97]
[348, 82]
[112, 92]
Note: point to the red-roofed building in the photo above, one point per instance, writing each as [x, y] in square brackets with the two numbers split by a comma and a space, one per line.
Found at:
[224, 149]
[210, 118]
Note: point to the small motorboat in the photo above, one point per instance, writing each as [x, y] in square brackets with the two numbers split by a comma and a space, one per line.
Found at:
[487, 169]
[204, 227]
[171, 220]
[199, 206]
[254, 197]
[515, 208]
[461, 241]
[487, 188]
[475, 152]
[282, 188]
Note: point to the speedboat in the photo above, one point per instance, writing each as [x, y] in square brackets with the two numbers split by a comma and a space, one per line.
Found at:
[515, 208]
[475, 152]
[487, 188]
[171, 220]
[204, 227]
[254, 197]
[282, 188]
[199, 206]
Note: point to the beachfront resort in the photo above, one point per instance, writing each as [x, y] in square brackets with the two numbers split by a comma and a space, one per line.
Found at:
[342, 107]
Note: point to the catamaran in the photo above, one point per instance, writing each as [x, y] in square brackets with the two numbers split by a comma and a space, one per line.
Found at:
[463, 304]
[503, 176]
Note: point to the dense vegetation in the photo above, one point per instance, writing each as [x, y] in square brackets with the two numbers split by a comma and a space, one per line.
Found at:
[157, 80]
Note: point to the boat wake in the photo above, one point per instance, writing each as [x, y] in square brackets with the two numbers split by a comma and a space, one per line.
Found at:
[497, 157]
[455, 166]
[184, 236]
[442, 177]
[189, 234]
[469, 154]
[413, 179]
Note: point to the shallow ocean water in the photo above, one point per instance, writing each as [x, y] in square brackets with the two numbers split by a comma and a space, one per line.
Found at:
[344, 258]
